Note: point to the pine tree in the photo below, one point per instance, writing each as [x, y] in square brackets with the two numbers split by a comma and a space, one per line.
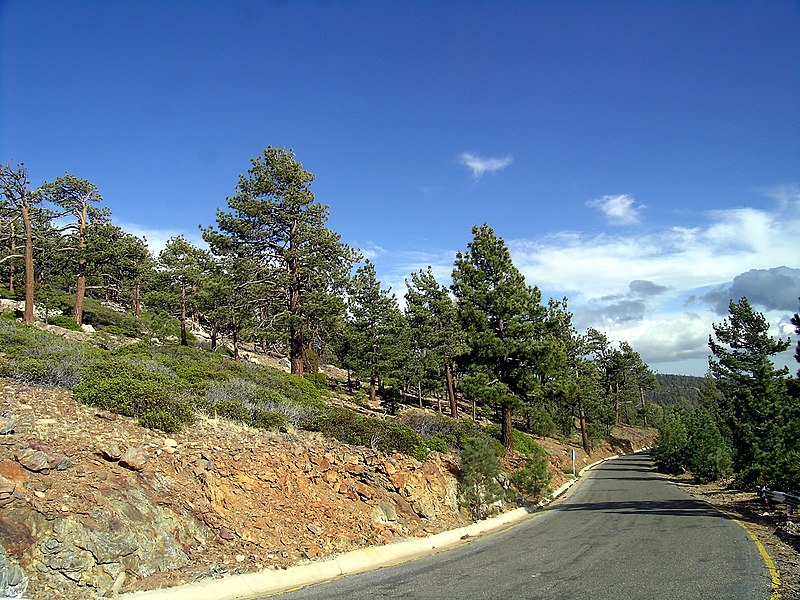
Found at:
[16, 206]
[374, 318]
[77, 198]
[276, 224]
[502, 320]
[181, 269]
[435, 333]
[756, 392]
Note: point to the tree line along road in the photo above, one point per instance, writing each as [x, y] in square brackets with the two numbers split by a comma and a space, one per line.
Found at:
[623, 533]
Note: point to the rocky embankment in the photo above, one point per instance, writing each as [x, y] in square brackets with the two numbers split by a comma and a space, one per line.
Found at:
[92, 505]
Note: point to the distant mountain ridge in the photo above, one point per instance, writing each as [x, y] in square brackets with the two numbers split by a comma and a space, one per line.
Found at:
[671, 388]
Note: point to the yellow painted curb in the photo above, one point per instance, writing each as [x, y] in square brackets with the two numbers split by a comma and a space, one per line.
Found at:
[773, 570]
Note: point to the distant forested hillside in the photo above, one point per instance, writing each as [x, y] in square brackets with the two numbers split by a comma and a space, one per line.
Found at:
[672, 388]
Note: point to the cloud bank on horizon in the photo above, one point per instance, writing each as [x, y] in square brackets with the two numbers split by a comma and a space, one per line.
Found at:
[659, 287]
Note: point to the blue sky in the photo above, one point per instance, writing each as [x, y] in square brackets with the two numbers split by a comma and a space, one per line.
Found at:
[640, 158]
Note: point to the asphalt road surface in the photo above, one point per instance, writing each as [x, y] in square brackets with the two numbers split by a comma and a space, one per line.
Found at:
[624, 533]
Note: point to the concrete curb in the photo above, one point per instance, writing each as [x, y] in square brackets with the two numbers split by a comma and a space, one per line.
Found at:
[264, 583]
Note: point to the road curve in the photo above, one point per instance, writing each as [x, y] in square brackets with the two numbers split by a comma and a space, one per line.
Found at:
[624, 533]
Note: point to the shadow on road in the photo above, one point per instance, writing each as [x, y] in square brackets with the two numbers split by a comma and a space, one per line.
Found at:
[677, 508]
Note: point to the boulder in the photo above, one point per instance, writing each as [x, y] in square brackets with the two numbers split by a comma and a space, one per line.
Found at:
[134, 458]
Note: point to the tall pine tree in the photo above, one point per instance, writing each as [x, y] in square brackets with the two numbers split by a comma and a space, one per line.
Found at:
[502, 318]
[276, 224]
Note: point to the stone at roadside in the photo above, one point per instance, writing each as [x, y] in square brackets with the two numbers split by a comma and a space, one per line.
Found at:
[134, 459]
[111, 451]
[33, 460]
[7, 488]
[315, 529]
[13, 470]
[7, 425]
[13, 580]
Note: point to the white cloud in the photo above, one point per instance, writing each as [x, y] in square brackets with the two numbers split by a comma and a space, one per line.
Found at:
[157, 238]
[370, 251]
[602, 275]
[682, 259]
[620, 209]
[479, 166]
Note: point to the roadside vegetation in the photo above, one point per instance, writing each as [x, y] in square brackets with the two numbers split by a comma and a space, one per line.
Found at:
[745, 424]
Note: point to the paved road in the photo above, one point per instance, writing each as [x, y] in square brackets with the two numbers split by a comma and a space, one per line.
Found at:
[624, 533]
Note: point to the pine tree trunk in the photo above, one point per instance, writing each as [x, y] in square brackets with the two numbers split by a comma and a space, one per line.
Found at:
[214, 330]
[235, 341]
[644, 407]
[80, 293]
[27, 316]
[584, 431]
[11, 262]
[296, 341]
[137, 305]
[451, 392]
[296, 352]
[506, 437]
[184, 340]
[419, 393]
[373, 395]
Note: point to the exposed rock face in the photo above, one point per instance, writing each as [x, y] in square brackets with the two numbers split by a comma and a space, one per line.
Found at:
[92, 505]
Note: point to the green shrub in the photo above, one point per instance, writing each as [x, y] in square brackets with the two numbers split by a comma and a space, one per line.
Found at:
[437, 444]
[533, 479]
[669, 452]
[351, 428]
[320, 380]
[360, 398]
[480, 466]
[113, 321]
[451, 431]
[66, 322]
[523, 443]
[707, 455]
[540, 422]
[38, 357]
[161, 325]
[266, 419]
[168, 421]
[124, 394]
[235, 410]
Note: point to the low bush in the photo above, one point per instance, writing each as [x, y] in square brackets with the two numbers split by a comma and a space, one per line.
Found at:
[113, 321]
[480, 467]
[267, 419]
[38, 357]
[523, 443]
[235, 410]
[451, 432]
[533, 479]
[320, 380]
[65, 322]
[437, 444]
[351, 428]
[169, 420]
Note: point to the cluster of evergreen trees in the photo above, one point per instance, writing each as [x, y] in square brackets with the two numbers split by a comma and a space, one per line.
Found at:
[274, 275]
[747, 419]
